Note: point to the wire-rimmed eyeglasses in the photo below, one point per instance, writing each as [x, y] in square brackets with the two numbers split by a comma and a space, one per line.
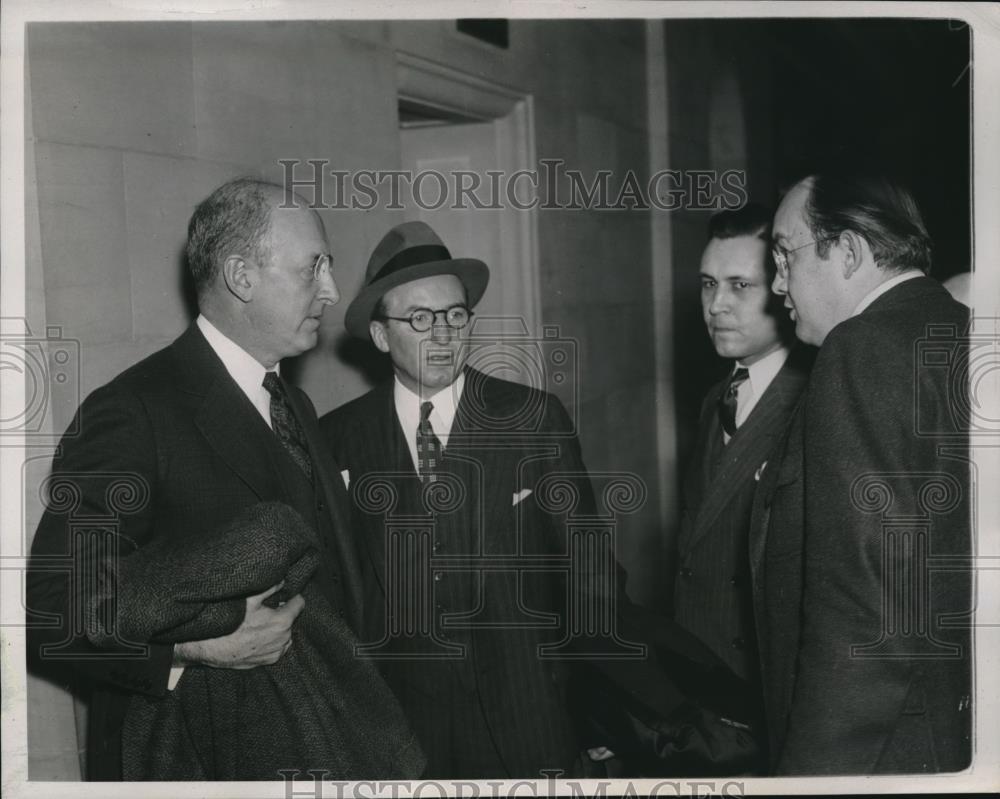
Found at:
[323, 265]
[423, 319]
[780, 254]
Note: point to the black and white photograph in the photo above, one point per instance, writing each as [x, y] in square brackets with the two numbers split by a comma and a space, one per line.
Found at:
[497, 399]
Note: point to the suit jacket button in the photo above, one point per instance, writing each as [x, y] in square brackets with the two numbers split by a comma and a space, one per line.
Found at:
[734, 580]
[686, 572]
[739, 643]
[320, 507]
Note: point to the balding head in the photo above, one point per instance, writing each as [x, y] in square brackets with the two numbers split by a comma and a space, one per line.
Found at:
[233, 220]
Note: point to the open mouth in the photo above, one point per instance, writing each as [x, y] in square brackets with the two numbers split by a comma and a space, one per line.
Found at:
[440, 358]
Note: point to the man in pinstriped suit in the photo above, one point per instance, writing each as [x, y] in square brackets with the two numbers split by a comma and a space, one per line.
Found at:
[480, 698]
[742, 418]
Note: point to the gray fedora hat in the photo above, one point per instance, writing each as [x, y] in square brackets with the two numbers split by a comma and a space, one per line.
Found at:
[410, 251]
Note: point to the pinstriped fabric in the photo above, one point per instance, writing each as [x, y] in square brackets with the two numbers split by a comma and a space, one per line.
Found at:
[712, 596]
[523, 723]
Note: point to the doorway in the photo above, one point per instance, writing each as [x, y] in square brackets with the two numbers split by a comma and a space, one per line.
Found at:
[458, 132]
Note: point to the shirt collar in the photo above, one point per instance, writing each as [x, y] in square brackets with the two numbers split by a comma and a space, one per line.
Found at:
[445, 404]
[762, 372]
[882, 288]
[246, 370]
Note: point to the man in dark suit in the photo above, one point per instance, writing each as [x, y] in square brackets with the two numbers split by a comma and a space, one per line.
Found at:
[482, 699]
[742, 418]
[865, 649]
[185, 440]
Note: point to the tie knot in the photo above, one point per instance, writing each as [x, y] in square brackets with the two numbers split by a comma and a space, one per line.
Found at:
[740, 376]
[425, 410]
[273, 384]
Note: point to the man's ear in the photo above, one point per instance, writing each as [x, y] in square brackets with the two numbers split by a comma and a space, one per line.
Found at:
[377, 331]
[239, 277]
[856, 252]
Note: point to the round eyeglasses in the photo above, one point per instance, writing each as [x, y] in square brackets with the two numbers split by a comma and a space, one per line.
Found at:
[423, 319]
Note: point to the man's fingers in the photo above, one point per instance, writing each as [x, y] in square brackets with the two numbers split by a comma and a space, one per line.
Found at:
[293, 607]
[259, 598]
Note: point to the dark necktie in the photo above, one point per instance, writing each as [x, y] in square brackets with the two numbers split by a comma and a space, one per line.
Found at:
[285, 425]
[428, 445]
[727, 402]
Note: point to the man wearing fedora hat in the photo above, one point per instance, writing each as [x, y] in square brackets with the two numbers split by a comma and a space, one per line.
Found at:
[482, 701]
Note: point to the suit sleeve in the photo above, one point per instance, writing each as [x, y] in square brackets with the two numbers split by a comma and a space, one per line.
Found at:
[99, 506]
[859, 438]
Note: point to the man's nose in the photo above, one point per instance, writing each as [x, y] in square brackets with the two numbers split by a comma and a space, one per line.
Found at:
[328, 292]
[442, 331]
[780, 284]
[718, 303]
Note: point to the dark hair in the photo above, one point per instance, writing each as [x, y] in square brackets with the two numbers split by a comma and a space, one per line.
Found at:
[233, 219]
[750, 220]
[877, 209]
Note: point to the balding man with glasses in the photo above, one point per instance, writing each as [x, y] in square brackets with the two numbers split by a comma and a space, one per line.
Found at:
[861, 524]
[218, 533]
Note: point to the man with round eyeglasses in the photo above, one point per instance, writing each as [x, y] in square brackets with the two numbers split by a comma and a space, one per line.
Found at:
[483, 704]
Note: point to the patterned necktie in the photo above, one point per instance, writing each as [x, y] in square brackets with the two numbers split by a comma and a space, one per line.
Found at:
[727, 402]
[285, 425]
[428, 445]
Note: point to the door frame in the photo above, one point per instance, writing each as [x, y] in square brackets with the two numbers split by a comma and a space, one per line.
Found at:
[457, 94]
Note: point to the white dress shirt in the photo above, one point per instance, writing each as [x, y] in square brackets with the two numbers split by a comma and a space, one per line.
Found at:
[882, 288]
[246, 370]
[761, 373]
[441, 418]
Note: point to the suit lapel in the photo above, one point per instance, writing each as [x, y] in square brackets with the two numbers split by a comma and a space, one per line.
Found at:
[226, 418]
[750, 446]
[483, 462]
[788, 448]
[381, 450]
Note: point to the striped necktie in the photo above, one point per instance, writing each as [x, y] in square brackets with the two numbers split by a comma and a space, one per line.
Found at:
[728, 400]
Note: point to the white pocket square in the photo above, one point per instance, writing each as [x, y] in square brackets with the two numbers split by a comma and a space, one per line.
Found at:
[346, 477]
[524, 492]
[760, 471]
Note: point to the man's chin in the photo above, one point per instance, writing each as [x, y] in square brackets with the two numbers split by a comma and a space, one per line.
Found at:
[305, 341]
[438, 376]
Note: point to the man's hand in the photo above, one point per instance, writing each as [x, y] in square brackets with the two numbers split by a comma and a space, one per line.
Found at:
[263, 637]
[599, 753]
